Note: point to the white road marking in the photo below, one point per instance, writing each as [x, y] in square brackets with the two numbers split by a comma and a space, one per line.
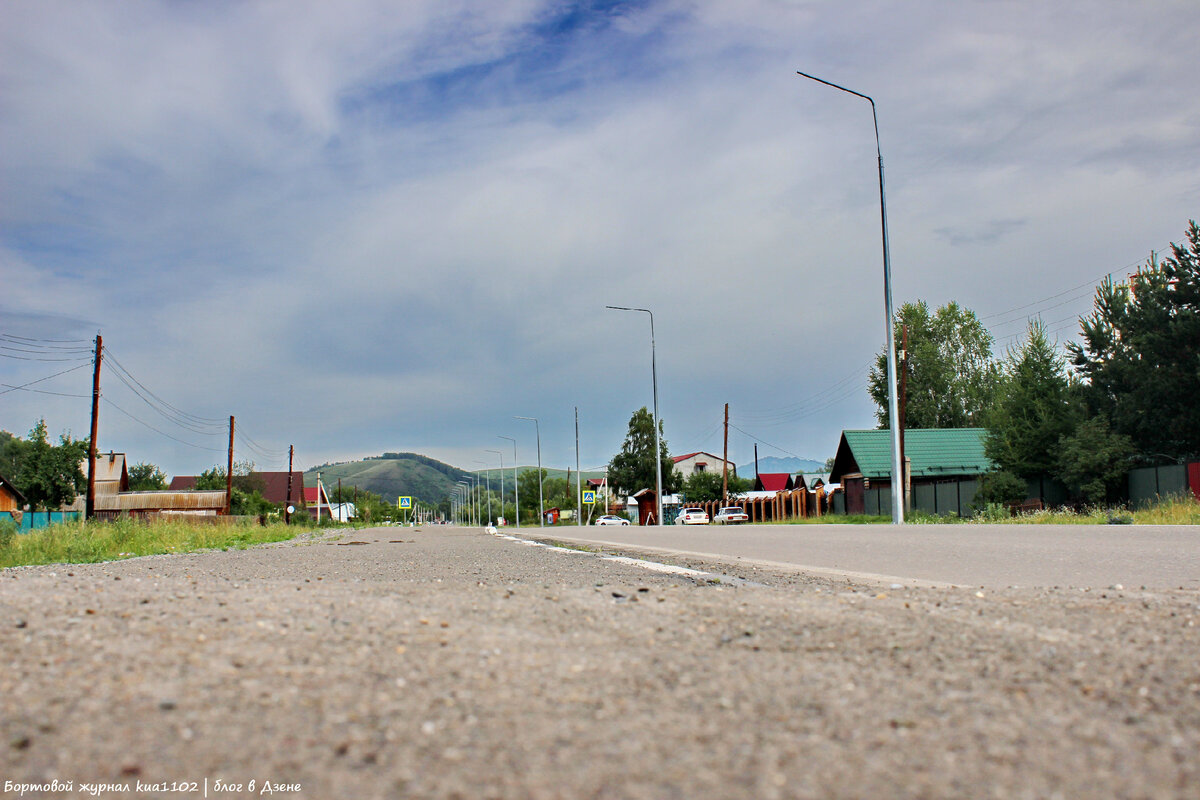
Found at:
[633, 562]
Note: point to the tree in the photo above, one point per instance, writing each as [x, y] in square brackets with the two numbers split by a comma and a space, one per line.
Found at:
[633, 469]
[702, 487]
[951, 374]
[145, 477]
[12, 452]
[50, 475]
[1140, 356]
[1094, 461]
[1035, 407]
[527, 480]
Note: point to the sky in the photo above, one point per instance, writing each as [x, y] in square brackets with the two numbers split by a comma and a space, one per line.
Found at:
[366, 227]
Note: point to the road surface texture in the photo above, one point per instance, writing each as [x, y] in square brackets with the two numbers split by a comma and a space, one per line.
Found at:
[452, 663]
[991, 556]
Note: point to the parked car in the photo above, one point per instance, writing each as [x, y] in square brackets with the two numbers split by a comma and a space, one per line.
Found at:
[609, 519]
[692, 516]
[731, 515]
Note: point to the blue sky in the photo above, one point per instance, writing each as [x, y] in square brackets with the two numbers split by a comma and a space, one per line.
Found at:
[366, 226]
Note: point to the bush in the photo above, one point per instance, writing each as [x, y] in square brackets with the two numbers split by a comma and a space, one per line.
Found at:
[997, 488]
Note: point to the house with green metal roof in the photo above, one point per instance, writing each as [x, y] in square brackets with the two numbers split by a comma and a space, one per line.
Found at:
[933, 454]
[943, 465]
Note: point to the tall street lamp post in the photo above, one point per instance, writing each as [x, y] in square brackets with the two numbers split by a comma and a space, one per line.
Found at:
[657, 443]
[538, 430]
[497, 452]
[893, 409]
[516, 484]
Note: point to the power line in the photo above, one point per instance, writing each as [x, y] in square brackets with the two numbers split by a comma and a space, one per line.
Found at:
[12, 388]
[162, 433]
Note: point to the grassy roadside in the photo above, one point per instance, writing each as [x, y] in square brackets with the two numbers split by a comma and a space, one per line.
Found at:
[73, 543]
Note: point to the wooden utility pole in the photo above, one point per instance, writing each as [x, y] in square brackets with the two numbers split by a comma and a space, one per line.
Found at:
[725, 462]
[229, 472]
[90, 507]
[287, 514]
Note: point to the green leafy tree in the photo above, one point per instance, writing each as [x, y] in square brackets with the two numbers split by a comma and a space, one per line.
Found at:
[1035, 407]
[952, 376]
[145, 477]
[633, 468]
[12, 452]
[559, 493]
[528, 483]
[50, 475]
[1140, 356]
[702, 487]
[1094, 460]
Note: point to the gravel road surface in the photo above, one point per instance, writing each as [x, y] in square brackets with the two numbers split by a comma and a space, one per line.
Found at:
[452, 663]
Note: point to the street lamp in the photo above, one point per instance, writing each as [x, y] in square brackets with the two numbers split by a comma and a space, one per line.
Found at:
[464, 488]
[488, 472]
[497, 452]
[657, 444]
[893, 409]
[516, 483]
[538, 430]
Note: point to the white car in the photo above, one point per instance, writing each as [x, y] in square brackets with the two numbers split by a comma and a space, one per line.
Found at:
[731, 515]
[692, 516]
[609, 519]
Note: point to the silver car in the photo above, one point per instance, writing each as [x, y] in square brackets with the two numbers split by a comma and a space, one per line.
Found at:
[609, 519]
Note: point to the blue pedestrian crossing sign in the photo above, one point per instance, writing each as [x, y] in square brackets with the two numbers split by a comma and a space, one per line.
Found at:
[589, 497]
[405, 502]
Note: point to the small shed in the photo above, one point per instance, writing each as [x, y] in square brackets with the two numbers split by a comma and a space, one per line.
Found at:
[11, 500]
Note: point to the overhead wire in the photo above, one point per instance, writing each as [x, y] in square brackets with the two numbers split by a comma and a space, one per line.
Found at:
[24, 386]
[162, 433]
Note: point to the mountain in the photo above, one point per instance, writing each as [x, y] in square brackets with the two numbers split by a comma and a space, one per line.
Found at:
[775, 464]
[392, 475]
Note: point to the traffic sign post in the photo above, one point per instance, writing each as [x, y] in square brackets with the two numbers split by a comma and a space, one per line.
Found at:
[589, 497]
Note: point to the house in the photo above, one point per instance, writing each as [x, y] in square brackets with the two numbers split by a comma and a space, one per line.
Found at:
[112, 475]
[934, 456]
[273, 486]
[774, 482]
[11, 500]
[693, 463]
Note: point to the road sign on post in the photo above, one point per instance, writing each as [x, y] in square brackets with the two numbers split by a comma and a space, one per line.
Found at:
[404, 502]
[589, 497]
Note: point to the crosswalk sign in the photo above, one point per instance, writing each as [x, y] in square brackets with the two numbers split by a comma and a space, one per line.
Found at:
[589, 497]
[405, 502]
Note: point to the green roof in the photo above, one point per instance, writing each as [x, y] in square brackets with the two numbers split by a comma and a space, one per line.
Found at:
[932, 452]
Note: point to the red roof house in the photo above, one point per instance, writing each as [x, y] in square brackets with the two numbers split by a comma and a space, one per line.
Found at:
[773, 482]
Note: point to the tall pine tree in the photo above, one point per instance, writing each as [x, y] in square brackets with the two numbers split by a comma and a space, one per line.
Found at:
[1140, 356]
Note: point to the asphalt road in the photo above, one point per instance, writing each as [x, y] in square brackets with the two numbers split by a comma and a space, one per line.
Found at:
[992, 556]
[450, 663]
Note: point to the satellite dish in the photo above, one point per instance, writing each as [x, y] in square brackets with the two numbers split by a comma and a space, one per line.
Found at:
[291, 509]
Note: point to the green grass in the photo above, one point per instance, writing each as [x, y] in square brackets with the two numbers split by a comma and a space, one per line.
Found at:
[73, 543]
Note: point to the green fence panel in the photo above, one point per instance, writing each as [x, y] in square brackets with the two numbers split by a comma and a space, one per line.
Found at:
[924, 498]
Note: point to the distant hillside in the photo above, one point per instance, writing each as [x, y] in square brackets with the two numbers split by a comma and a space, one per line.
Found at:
[393, 475]
[776, 464]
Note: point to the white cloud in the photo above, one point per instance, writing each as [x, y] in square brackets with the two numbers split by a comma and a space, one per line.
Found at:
[366, 230]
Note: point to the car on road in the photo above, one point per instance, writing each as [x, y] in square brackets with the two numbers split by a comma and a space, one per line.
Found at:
[609, 519]
[692, 516]
[731, 515]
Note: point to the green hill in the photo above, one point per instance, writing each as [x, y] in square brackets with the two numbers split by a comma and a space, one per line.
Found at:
[393, 475]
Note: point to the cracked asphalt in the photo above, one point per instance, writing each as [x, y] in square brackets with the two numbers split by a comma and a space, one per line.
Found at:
[451, 663]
